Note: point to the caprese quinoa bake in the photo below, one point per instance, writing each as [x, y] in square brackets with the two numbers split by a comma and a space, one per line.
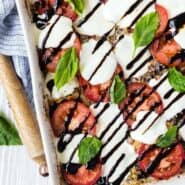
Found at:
[115, 77]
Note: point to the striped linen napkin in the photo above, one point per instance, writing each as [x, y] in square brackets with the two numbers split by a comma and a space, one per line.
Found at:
[12, 43]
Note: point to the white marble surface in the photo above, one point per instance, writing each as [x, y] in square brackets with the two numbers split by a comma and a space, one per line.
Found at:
[15, 166]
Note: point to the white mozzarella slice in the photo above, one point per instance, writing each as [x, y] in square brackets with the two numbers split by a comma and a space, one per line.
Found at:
[124, 54]
[66, 90]
[182, 132]
[96, 24]
[89, 62]
[57, 30]
[106, 119]
[145, 7]
[114, 135]
[180, 37]
[130, 157]
[153, 133]
[120, 7]
[174, 7]
[65, 156]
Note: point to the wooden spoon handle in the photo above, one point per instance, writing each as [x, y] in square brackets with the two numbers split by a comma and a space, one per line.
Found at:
[25, 119]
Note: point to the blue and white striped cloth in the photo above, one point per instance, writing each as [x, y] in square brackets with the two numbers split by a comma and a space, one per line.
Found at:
[12, 42]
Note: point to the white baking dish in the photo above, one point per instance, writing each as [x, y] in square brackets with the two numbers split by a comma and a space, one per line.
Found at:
[37, 82]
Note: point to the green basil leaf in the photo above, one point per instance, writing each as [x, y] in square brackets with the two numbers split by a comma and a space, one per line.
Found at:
[66, 68]
[77, 5]
[176, 80]
[167, 139]
[118, 90]
[145, 30]
[8, 133]
[88, 149]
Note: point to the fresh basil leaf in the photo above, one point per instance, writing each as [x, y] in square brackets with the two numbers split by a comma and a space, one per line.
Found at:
[8, 133]
[66, 68]
[145, 30]
[88, 149]
[77, 5]
[118, 90]
[176, 80]
[167, 139]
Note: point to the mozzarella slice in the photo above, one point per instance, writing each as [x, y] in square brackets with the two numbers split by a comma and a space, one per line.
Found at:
[174, 7]
[120, 7]
[124, 54]
[153, 133]
[143, 8]
[105, 119]
[96, 23]
[65, 156]
[66, 90]
[110, 122]
[172, 105]
[58, 29]
[100, 63]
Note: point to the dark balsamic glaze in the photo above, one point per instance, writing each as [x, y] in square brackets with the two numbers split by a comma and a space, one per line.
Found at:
[100, 64]
[124, 173]
[176, 23]
[101, 41]
[132, 63]
[49, 32]
[116, 165]
[169, 105]
[104, 57]
[71, 167]
[107, 156]
[168, 94]
[50, 85]
[142, 12]
[179, 56]
[138, 68]
[154, 163]
[107, 105]
[88, 16]
[132, 8]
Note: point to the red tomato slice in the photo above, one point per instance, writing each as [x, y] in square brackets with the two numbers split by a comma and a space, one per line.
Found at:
[96, 93]
[163, 16]
[134, 104]
[168, 167]
[51, 67]
[84, 176]
[163, 50]
[77, 113]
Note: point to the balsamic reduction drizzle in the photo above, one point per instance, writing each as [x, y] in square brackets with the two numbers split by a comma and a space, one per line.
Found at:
[141, 13]
[138, 68]
[169, 93]
[179, 56]
[180, 95]
[88, 16]
[132, 63]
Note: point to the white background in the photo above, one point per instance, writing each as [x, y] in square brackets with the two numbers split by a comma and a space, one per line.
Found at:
[15, 166]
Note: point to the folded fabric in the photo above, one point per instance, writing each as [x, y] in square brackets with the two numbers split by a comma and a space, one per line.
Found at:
[12, 43]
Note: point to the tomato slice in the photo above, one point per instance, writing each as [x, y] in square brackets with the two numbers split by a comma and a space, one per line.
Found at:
[84, 176]
[169, 166]
[163, 16]
[146, 98]
[51, 67]
[163, 50]
[96, 93]
[71, 116]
